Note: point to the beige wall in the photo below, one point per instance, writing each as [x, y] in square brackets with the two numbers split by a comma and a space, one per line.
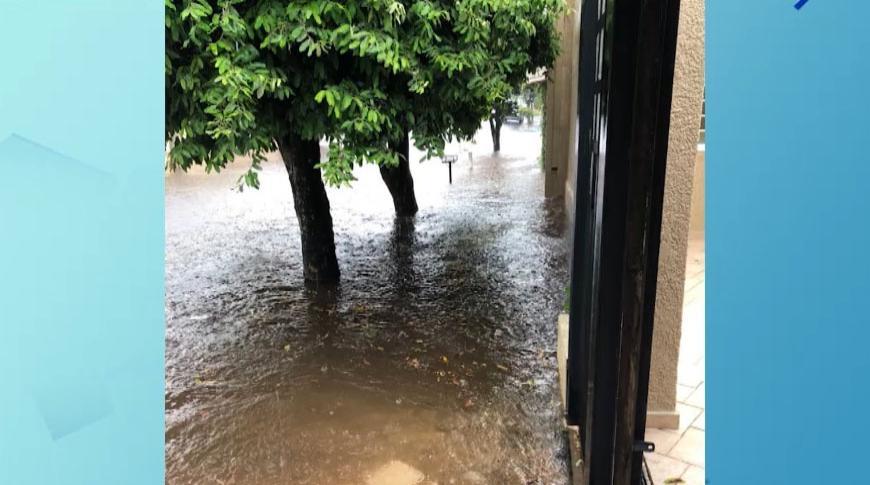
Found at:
[682, 151]
[560, 137]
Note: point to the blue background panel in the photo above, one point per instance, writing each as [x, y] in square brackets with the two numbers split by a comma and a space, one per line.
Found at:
[788, 180]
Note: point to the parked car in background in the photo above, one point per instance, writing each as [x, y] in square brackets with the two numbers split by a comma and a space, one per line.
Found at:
[513, 115]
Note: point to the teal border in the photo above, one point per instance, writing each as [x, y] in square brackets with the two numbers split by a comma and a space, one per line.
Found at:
[81, 259]
[81, 242]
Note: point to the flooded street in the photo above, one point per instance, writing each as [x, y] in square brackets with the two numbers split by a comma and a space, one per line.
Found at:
[434, 359]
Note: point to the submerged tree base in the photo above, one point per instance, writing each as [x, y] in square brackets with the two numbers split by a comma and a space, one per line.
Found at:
[400, 182]
[495, 129]
[312, 209]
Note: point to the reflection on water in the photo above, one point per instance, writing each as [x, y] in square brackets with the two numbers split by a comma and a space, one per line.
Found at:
[434, 360]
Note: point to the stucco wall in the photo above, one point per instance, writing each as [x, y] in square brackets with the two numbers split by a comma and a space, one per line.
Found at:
[560, 137]
[682, 150]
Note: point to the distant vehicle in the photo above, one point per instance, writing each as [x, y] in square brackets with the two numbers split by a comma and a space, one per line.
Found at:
[513, 116]
[513, 119]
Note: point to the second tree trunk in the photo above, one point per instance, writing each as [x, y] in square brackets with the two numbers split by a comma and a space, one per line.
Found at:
[495, 129]
[399, 181]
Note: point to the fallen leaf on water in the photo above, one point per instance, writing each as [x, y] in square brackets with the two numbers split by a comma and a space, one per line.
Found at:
[359, 308]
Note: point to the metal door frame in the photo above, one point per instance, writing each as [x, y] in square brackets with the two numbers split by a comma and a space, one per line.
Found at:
[627, 51]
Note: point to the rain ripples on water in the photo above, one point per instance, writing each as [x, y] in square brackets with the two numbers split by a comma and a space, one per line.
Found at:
[434, 357]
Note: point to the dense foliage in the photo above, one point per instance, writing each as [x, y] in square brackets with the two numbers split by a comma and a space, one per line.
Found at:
[359, 73]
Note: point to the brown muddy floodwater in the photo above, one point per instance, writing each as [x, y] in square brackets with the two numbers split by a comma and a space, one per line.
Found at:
[433, 360]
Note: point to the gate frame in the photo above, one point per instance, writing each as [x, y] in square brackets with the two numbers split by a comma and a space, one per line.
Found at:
[628, 50]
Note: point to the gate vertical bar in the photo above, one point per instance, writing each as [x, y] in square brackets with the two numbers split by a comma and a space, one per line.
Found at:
[583, 261]
[651, 80]
[618, 54]
[668, 24]
[627, 63]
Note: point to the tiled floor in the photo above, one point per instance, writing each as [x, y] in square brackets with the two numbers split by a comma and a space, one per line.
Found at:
[679, 456]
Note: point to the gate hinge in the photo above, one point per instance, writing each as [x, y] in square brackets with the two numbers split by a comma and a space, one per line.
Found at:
[644, 446]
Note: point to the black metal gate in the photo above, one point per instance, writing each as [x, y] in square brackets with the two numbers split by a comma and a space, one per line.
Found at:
[627, 50]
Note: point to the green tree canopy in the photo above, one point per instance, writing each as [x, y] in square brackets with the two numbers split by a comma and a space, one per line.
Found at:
[357, 73]
[246, 76]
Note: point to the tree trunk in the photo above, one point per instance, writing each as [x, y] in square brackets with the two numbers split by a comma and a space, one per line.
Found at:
[495, 129]
[312, 209]
[399, 181]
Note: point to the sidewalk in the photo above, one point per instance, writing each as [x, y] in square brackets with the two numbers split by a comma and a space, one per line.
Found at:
[679, 456]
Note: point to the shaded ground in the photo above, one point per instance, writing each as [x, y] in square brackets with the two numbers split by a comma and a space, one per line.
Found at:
[437, 351]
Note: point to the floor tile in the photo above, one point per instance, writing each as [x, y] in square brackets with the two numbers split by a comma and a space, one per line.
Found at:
[700, 422]
[664, 439]
[697, 398]
[683, 392]
[693, 476]
[688, 415]
[690, 374]
[690, 448]
[662, 467]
